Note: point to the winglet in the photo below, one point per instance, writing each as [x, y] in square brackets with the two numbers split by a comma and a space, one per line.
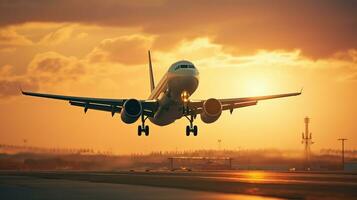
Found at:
[301, 90]
[20, 88]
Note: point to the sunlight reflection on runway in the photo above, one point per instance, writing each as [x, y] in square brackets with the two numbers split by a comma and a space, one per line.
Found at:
[12, 187]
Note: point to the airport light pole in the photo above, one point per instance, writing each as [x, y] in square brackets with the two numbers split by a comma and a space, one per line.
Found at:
[343, 151]
[307, 141]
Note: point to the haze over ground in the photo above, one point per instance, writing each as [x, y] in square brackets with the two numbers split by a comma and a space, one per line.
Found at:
[241, 48]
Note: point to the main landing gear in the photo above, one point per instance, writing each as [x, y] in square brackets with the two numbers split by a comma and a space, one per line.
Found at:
[143, 128]
[191, 128]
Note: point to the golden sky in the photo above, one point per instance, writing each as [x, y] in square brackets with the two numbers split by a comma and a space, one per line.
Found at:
[241, 48]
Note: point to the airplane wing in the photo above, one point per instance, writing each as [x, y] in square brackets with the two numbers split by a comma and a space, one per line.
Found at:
[233, 103]
[102, 104]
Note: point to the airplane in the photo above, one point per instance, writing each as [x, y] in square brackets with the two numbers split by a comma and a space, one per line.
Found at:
[169, 101]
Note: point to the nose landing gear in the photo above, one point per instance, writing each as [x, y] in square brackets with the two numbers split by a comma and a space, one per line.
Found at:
[191, 128]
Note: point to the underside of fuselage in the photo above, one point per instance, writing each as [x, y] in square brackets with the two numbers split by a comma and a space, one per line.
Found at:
[178, 82]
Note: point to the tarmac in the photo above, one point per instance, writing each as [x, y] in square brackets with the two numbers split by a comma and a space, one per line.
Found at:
[177, 185]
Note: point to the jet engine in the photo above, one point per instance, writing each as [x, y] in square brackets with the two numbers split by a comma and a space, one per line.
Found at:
[212, 110]
[131, 111]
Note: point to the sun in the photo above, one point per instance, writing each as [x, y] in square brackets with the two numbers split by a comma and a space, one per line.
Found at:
[258, 85]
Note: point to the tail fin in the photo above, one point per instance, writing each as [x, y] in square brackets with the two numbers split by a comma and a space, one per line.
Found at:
[152, 83]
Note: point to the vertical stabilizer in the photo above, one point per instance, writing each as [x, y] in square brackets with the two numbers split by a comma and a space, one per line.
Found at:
[152, 83]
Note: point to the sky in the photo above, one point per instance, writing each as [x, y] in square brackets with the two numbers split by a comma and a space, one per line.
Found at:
[241, 48]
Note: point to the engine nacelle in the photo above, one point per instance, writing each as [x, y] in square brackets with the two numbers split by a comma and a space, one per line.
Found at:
[131, 111]
[212, 110]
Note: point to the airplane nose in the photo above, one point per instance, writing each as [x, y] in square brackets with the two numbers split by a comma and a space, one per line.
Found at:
[191, 72]
[180, 84]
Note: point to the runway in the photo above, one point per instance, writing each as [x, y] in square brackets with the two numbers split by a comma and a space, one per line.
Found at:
[178, 185]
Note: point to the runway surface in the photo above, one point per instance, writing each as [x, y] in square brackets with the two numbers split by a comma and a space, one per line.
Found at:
[178, 185]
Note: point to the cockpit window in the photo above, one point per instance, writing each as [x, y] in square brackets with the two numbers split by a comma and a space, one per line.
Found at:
[184, 67]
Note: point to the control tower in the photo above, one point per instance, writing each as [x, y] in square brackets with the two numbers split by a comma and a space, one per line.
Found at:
[307, 141]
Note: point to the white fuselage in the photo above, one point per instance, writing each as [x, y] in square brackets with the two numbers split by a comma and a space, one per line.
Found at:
[182, 77]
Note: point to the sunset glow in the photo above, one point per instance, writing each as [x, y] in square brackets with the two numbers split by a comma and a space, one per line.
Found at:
[240, 49]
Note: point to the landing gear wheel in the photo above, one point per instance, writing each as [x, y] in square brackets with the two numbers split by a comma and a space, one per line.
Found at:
[191, 128]
[139, 130]
[142, 128]
[146, 130]
[188, 130]
[195, 130]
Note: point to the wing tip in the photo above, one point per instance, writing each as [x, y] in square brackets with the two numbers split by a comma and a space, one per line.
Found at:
[301, 90]
[25, 92]
[22, 92]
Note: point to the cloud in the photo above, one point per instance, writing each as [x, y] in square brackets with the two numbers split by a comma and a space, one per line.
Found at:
[109, 60]
[319, 28]
[128, 50]
[9, 37]
[53, 67]
[10, 88]
[54, 70]
[49, 68]
[6, 70]
[350, 55]
[10, 83]
[82, 35]
[58, 36]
